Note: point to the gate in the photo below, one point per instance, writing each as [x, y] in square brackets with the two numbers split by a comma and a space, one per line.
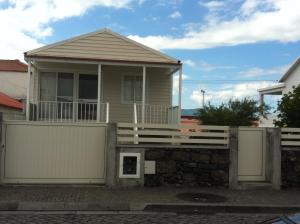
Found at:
[41, 153]
[252, 154]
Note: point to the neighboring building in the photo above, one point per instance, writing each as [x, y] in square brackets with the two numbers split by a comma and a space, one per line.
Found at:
[102, 76]
[13, 79]
[9, 107]
[285, 84]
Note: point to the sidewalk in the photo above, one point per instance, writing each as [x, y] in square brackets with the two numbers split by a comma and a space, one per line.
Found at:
[136, 199]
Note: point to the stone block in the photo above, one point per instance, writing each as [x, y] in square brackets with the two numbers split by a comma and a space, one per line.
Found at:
[181, 155]
[222, 158]
[154, 154]
[199, 157]
[163, 166]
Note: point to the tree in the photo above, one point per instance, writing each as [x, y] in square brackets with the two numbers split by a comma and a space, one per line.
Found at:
[233, 113]
[289, 109]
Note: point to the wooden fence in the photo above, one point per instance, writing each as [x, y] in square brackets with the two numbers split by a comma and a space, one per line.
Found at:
[290, 136]
[129, 133]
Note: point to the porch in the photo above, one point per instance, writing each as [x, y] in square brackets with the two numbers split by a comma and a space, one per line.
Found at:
[77, 91]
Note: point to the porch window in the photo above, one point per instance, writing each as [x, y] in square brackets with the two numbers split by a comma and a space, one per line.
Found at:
[132, 88]
[56, 94]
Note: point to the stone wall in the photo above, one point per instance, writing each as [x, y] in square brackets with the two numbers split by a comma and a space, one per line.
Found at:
[188, 167]
[290, 168]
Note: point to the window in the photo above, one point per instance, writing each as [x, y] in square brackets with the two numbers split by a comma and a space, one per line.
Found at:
[132, 88]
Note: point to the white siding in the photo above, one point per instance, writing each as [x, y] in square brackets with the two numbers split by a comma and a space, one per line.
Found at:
[103, 45]
[158, 86]
[292, 80]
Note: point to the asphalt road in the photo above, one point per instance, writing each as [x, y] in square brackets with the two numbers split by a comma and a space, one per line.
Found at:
[138, 218]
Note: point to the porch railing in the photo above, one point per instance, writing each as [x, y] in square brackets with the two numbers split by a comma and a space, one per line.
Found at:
[56, 111]
[156, 114]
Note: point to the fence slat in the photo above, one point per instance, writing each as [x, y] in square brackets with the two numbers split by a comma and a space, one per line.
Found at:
[174, 126]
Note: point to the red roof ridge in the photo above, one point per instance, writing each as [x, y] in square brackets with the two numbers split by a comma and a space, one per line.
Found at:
[7, 101]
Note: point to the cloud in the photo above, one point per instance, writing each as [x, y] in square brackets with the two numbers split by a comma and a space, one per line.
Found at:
[258, 72]
[205, 66]
[24, 23]
[176, 83]
[212, 5]
[189, 62]
[229, 91]
[175, 15]
[252, 22]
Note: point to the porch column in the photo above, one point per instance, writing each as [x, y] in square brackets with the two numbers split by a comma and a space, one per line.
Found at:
[179, 94]
[28, 92]
[144, 94]
[99, 93]
[261, 99]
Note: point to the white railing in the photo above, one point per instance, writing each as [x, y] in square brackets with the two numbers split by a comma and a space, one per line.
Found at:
[290, 136]
[57, 111]
[155, 114]
[129, 133]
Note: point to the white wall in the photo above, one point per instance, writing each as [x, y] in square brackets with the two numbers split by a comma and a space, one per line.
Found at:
[14, 84]
[292, 80]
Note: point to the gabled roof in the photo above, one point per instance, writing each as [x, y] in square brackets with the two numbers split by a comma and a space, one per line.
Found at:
[102, 45]
[12, 66]
[290, 70]
[9, 102]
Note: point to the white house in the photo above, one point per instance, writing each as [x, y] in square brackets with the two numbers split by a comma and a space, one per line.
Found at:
[285, 84]
[13, 79]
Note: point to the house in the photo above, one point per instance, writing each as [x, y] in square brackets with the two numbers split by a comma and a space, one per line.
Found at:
[13, 79]
[99, 77]
[285, 84]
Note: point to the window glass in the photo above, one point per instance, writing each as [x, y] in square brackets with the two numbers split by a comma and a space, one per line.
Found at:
[128, 88]
[88, 86]
[65, 87]
[48, 86]
[132, 88]
[138, 88]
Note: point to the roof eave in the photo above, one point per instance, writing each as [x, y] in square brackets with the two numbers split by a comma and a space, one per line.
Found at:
[26, 56]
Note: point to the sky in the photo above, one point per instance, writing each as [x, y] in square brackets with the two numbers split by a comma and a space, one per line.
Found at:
[229, 48]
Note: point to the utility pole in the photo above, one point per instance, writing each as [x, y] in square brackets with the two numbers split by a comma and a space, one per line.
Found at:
[203, 92]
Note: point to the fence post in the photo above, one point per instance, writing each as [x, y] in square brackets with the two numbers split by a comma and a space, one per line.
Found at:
[233, 157]
[275, 146]
[111, 144]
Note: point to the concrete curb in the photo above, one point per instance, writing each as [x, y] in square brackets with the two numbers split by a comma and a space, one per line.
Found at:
[199, 208]
[223, 208]
[63, 206]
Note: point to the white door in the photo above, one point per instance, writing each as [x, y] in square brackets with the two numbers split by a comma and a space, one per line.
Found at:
[53, 153]
[251, 154]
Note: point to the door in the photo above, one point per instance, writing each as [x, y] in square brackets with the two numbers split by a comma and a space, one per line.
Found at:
[252, 154]
[87, 97]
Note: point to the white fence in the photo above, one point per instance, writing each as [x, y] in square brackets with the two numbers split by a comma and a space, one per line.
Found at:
[290, 136]
[128, 133]
[156, 114]
[55, 111]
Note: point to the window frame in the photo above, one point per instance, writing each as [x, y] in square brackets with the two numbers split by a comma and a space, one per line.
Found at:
[138, 165]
